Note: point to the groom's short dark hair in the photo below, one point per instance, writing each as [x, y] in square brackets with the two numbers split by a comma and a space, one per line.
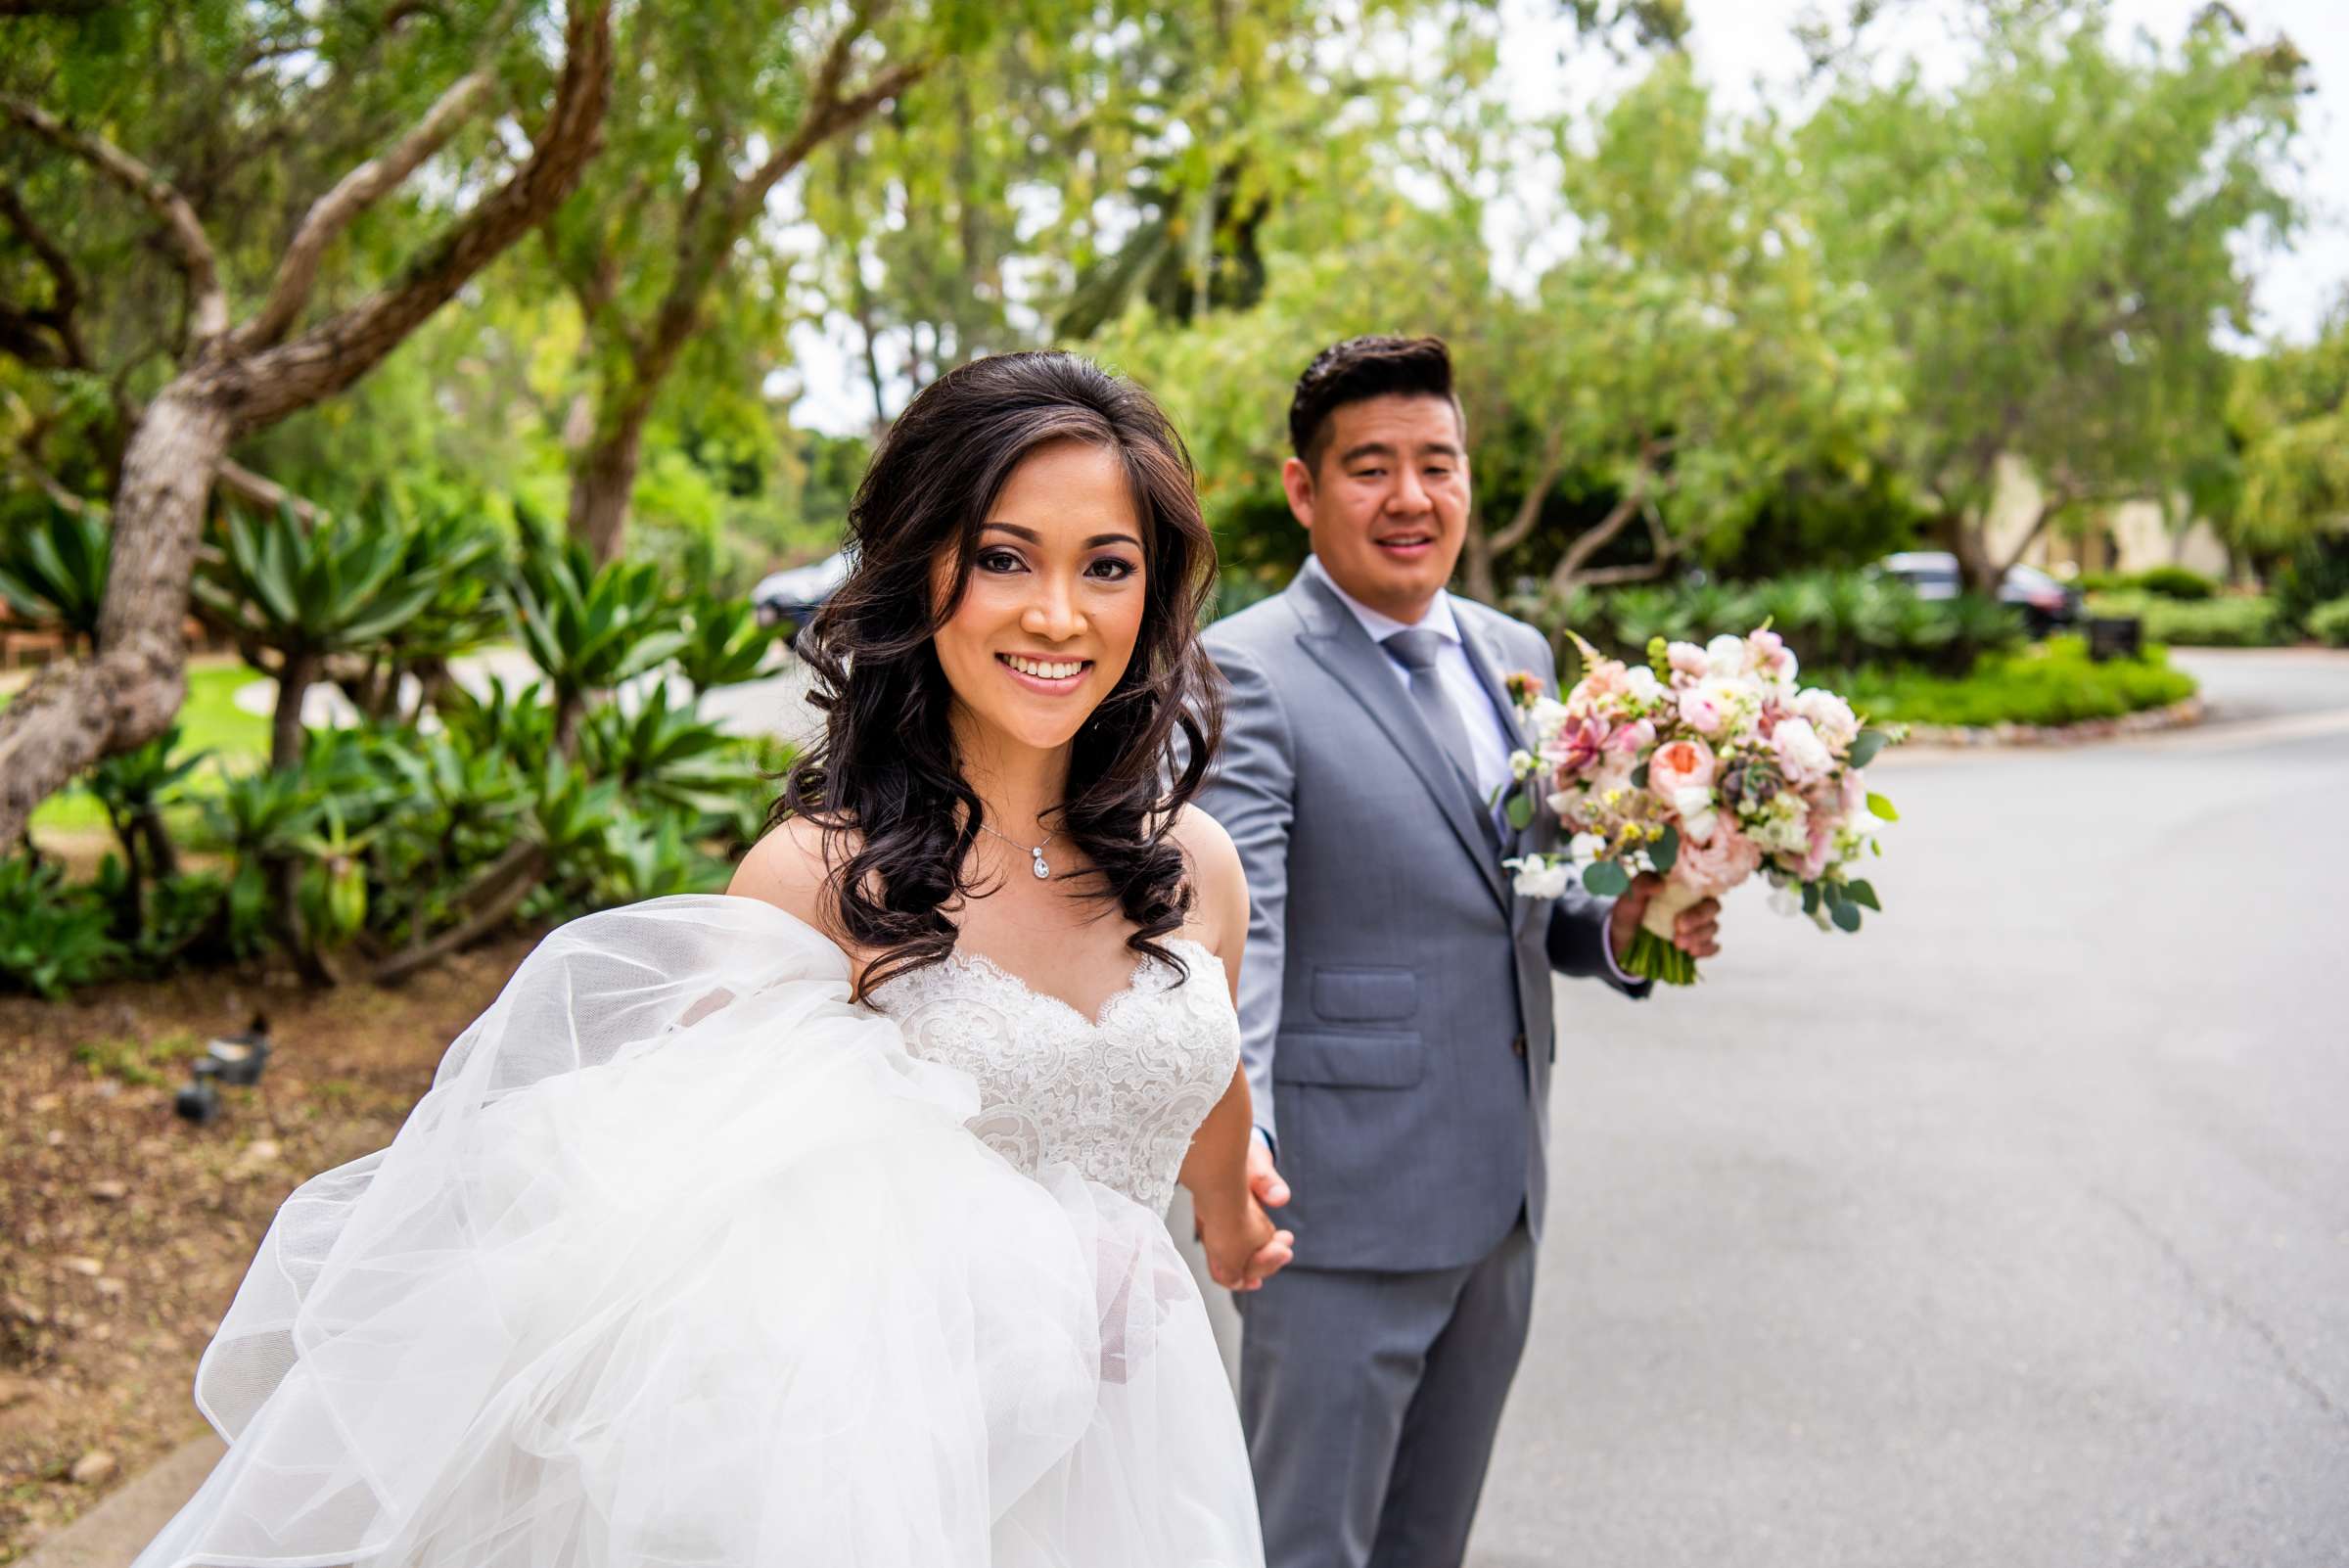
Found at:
[1357, 370]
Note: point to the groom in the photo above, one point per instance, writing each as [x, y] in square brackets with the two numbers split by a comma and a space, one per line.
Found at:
[1394, 997]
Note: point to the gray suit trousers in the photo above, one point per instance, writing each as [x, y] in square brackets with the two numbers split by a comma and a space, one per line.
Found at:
[1370, 1446]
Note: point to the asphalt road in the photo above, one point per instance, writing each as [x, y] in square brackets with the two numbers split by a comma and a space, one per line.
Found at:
[2012, 1231]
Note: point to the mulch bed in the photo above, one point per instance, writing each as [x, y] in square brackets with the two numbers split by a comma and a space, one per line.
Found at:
[124, 1229]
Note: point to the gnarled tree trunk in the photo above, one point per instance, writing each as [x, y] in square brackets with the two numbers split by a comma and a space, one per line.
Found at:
[237, 380]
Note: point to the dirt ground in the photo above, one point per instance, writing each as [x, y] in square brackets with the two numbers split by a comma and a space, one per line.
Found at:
[125, 1231]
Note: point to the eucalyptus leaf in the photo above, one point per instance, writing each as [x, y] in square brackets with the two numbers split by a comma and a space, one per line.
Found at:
[1666, 851]
[1607, 879]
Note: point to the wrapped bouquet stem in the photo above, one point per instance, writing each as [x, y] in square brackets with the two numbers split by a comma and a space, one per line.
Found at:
[1704, 767]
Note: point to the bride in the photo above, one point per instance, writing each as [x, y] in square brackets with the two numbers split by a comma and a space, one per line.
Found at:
[819, 1223]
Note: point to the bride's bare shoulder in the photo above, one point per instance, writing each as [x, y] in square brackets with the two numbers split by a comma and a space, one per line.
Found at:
[788, 869]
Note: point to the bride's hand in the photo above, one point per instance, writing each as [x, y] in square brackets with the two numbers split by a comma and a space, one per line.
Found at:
[1244, 1248]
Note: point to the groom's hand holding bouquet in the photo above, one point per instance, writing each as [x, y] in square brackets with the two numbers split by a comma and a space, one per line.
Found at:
[1680, 778]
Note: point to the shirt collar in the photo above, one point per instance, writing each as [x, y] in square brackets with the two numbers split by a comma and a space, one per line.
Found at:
[1438, 619]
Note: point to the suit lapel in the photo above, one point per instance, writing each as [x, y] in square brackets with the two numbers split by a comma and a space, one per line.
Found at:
[1337, 642]
[1483, 657]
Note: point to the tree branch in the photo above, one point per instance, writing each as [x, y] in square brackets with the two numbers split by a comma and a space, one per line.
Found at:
[207, 300]
[1591, 540]
[330, 357]
[236, 478]
[64, 283]
[827, 118]
[353, 194]
[1638, 572]
[50, 484]
[1529, 508]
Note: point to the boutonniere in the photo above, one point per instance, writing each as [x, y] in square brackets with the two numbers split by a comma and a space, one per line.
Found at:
[1528, 695]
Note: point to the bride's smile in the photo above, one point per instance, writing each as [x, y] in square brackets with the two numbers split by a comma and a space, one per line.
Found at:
[1053, 607]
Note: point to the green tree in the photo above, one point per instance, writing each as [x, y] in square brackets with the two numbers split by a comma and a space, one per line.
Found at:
[2051, 243]
[248, 348]
[2290, 412]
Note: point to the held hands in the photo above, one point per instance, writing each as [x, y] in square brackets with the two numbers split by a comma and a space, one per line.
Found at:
[1693, 930]
[1244, 1248]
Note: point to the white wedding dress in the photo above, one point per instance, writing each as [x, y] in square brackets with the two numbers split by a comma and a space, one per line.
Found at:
[686, 1258]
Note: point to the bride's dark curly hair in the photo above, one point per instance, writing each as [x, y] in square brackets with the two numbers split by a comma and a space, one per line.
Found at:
[885, 768]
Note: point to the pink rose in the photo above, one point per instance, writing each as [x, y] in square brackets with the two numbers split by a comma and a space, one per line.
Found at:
[1680, 764]
[1602, 682]
[1635, 737]
[1701, 708]
[1801, 756]
[1689, 664]
[1821, 851]
[1716, 866]
[1769, 655]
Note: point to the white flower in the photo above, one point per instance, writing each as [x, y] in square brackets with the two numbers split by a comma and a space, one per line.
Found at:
[1583, 848]
[1803, 756]
[1545, 716]
[1830, 714]
[1641, 682]
[1695, 806]
[1537, 877]
[1725, 654]
[1784, 825]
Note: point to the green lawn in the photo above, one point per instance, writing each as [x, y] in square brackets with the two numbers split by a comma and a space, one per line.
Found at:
[210, 721]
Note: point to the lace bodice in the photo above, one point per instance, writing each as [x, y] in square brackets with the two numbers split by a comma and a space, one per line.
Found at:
[1118, 1098]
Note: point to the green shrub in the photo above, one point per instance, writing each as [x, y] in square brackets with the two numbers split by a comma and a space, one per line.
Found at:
[2054, 684]
[2177, 583]
[1829, 619]
[2329, 622]
[2163, 581]
[53, 937]
[2315, 573]
[2246, 621]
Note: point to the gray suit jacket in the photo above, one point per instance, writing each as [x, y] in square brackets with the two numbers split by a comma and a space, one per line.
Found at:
[1394, 997]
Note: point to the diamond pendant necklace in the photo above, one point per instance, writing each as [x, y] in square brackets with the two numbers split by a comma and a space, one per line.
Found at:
[1036, 852]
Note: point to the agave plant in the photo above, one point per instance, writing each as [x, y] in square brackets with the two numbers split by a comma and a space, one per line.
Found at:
[460, 554]
[724, 643]
[516, 723]
[305, 593]
[587, 627]
[53, 937]
[55, 572]
[664, 754]
[133, 787]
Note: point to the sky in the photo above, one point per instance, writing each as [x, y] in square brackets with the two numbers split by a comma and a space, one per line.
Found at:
[1745, 51]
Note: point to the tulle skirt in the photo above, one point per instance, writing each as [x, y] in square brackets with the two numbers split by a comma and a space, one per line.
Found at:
[685, 1260]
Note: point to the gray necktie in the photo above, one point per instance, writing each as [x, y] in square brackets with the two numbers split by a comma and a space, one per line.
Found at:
[1415, 648]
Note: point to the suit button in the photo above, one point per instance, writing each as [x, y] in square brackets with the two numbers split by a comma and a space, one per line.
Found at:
[1518, 1044]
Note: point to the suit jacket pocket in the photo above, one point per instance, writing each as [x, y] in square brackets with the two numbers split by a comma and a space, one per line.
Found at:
[1364, 993]
[1349, 1061]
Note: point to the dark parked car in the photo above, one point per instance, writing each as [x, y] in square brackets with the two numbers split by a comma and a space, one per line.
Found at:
[789, 598]
[2048, 604]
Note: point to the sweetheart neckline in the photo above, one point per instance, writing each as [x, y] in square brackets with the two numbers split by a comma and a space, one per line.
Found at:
[980, 964]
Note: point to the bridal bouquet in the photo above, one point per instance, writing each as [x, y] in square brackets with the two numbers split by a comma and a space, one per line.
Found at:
[1704, 765]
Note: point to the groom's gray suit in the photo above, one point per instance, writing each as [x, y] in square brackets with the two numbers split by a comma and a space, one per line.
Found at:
[1396, 1017]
